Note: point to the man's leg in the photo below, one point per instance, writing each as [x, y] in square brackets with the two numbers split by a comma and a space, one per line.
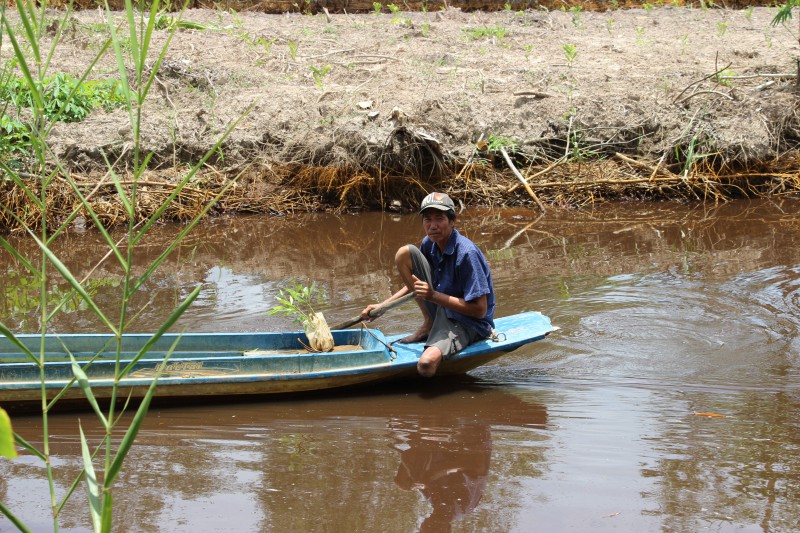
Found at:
[446, 338]
[429, 361]
[410, 261]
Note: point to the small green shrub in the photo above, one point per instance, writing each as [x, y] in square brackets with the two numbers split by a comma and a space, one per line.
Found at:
[319, 74]
[58, 104]
[570, 53]
[484, 32]
[15, 138]
[495, 142]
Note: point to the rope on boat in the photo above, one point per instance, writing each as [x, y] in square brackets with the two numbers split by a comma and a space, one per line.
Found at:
[388, 346]
[497, 336]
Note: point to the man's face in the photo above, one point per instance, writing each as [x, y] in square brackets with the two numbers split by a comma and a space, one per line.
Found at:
[437, 226]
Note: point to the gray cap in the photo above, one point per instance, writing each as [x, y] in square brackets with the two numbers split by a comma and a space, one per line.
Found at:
[437, 200]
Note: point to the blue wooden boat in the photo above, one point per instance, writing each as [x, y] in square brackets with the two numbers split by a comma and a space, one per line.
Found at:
[236, 364]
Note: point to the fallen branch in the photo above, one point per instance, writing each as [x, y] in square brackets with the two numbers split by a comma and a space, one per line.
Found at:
[785, 76]
[332, 52]
[701, 81]
[521, 178]
[682, 100]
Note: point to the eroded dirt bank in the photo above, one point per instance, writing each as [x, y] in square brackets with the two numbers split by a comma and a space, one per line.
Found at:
[360, 111]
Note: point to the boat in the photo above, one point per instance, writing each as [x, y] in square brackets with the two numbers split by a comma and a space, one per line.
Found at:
[229, 365]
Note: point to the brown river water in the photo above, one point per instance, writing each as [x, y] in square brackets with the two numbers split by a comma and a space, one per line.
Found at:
[669, 400]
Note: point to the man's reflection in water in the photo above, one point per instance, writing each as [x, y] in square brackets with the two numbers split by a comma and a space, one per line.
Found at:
[447, 463]
[446, 445]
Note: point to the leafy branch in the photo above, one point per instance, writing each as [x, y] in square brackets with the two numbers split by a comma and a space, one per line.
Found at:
[297, 302]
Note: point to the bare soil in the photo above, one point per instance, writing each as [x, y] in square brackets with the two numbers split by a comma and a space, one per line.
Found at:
[369, 111]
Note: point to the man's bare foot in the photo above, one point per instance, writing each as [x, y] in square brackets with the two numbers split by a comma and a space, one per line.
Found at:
[418, 336]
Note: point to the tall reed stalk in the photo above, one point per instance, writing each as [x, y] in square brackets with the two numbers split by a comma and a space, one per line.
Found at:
[130, 42]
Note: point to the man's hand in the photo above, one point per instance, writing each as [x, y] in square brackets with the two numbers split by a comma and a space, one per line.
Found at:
[422, 289]
[365, 314]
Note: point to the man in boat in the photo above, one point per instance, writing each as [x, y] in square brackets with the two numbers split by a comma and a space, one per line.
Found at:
[452, 282]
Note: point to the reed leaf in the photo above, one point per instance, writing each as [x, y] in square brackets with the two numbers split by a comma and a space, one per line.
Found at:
[68, 385]
[123, 196]
[72, 488]
[13, 338]
[145, 43]
[163, 329]
[76, 285]
[27, 264]
[99, 225]
[83, 382]
[160, 58]
[33, 37]
[75, 483]
[7, 448]
[123, 72]
[13, 519]
[134, 40]
[60, 394]
[92, 486]
[28, 446]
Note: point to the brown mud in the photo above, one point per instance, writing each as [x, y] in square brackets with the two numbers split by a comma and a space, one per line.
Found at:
[353, 111]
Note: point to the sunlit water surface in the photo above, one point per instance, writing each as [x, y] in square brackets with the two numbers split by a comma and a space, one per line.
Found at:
[668, 401]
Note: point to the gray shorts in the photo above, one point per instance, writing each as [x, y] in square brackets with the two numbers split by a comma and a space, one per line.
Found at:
[449, 335]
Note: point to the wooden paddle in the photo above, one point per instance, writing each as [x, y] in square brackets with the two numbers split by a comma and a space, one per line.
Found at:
[378, 311]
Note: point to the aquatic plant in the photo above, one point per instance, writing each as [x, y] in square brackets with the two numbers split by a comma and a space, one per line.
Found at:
[31, 177]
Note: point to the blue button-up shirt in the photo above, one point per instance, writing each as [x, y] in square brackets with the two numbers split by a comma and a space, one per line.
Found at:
[462, 271]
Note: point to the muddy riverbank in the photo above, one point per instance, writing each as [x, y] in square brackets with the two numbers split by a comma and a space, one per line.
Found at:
[369, 111]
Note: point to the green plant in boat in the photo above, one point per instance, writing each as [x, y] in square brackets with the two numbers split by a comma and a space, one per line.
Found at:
[298, 301]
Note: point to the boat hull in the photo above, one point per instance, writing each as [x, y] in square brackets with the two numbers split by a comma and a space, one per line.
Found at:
[233, 365]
